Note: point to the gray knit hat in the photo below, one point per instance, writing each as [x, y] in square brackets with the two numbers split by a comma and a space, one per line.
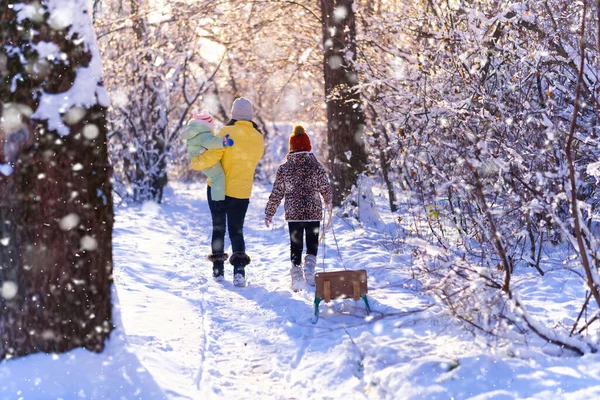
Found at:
[242, 109]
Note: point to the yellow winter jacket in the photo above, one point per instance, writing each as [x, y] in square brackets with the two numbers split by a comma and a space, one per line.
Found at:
[239, 161]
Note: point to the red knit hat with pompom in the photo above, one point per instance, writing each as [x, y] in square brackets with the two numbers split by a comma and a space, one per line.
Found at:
[299, 140]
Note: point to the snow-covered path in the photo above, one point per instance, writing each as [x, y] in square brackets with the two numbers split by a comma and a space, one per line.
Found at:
[213, 340]
[180, 335]
[199, 339]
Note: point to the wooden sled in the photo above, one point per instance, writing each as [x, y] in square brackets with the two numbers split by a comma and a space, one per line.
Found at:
[340, 284]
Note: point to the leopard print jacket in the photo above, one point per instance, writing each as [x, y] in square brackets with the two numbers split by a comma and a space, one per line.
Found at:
[302, 180]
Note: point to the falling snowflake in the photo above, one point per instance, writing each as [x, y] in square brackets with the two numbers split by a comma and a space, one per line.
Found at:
[69, 222]
[340, 13]
[9, 290]
[91, 131]
[88, 243]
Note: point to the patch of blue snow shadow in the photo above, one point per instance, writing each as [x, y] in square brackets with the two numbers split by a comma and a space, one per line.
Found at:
[487, 377]
[116, 373]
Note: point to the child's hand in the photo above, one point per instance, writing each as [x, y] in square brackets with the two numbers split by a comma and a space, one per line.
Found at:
[227, 141]
[268, 221]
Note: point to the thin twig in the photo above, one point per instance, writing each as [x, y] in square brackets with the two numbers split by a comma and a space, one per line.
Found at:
[583, 308]
[571, 163]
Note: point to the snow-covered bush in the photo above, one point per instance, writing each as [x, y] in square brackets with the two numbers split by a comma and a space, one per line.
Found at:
[360, 204]
[471, 105]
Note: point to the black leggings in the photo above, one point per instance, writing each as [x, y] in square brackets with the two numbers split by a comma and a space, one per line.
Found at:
[233, 212]
[297, 230]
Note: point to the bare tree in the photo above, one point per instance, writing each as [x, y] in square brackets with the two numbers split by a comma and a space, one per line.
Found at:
[155, 78]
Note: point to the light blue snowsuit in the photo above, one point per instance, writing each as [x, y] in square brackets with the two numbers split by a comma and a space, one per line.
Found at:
[198, 137]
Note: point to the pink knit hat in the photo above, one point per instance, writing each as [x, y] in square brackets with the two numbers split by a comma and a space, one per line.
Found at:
[204, 117]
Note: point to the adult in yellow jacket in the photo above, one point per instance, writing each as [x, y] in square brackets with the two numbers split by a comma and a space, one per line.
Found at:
[239, 164]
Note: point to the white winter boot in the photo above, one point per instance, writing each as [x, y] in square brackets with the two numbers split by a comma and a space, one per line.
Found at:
[310, 263]
[297, 278]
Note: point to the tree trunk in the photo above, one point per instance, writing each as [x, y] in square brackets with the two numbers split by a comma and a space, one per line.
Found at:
[56, 211]
[345, 116]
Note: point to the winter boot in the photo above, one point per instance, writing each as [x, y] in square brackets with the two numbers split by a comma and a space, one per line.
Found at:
[297, 278]
[310, 263]
[239, 260]
[219, 271]
[218, 261]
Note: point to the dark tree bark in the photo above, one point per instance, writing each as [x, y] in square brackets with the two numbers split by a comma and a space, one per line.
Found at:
[56, 211]
[345, 115]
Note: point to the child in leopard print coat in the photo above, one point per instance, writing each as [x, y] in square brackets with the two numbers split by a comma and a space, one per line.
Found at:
[301, 180]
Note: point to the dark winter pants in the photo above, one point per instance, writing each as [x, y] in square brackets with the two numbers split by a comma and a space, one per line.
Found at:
[297, 230]
[232, 212]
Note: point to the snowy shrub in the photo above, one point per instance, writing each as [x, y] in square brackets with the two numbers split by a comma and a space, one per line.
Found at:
[471, 107]
[360, 204]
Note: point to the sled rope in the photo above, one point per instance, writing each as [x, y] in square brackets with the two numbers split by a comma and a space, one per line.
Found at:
[338, 248]
[322, 237]
[326, 226]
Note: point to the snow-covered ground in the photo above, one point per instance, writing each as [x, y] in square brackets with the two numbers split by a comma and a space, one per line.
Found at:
[180, 335]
